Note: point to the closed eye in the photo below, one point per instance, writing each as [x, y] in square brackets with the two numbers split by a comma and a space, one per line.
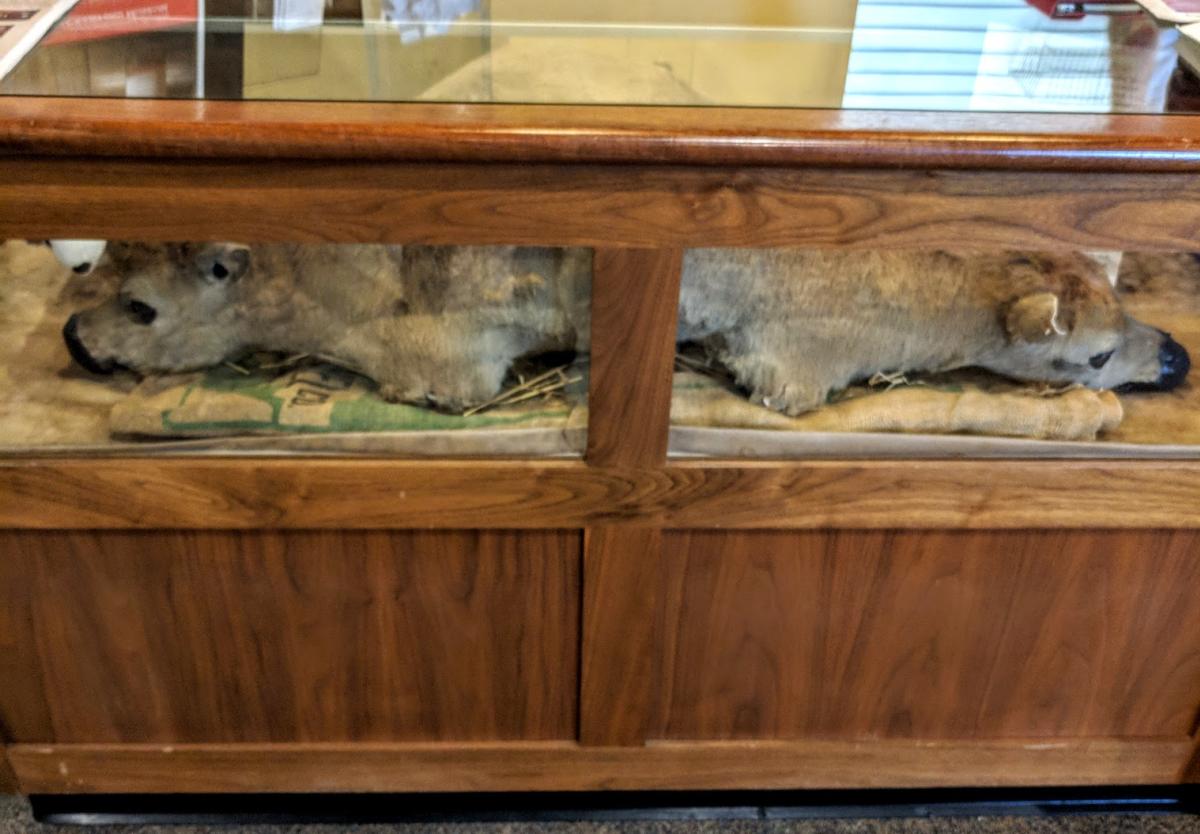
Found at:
[1100, 359]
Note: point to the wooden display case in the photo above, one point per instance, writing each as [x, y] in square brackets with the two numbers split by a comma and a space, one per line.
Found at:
[629, 620]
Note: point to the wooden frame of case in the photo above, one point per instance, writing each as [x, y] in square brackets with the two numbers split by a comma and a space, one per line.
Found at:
[1096, 674]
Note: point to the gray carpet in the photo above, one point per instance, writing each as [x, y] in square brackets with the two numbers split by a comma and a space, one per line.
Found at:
[15, 819]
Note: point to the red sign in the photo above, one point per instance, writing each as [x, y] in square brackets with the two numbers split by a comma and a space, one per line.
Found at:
[92, 20]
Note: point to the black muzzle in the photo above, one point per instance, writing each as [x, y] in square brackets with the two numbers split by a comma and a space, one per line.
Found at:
[79, 353]
[1173, 366]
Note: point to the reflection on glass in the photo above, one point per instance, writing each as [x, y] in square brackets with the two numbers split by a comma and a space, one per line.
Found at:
[318, 346]
[1002, 55]
[983, 55]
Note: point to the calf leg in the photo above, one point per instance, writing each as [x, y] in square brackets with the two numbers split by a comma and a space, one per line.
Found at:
[457, 388]
[447, 361]
[778, 379]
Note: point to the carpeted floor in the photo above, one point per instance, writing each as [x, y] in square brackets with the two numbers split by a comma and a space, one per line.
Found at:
[15, 819]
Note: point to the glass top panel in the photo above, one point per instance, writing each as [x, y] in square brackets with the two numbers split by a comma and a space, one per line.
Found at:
[946, 55]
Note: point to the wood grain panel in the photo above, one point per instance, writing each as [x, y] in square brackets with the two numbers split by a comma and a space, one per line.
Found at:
[8, 779]
[620, 593]
[564, 133]
[319, 494]
[635, 299]
[564, 766]
[1191, 770]
[22, 705]
[326, 636]
[938, 634]
[591, 205]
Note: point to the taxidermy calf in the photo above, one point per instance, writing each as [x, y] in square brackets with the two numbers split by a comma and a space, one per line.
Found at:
[443, 324]
[436, 325]
[795, 325]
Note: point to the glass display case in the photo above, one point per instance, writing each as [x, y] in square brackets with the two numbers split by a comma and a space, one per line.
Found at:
[569, 397]
[1009, 56]
[960, 57]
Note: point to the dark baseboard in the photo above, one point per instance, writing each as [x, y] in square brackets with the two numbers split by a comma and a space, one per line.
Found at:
[648, 805]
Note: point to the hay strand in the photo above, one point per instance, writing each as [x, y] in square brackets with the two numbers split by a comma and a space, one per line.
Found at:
[542, 385]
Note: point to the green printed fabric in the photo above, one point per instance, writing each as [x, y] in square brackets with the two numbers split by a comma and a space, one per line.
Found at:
[317, 398]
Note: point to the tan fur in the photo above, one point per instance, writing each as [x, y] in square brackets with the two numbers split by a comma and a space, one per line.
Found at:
[443, 324]
[439, 325]
[794, 326]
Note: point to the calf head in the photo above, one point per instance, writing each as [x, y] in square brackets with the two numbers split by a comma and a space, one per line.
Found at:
[178, 308]
[1065, 324]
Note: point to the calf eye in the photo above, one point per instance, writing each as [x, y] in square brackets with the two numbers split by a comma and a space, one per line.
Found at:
[141, 312]
[1099, 360]
[219, 270]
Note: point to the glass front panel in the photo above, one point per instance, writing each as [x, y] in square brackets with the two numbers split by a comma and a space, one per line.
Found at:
[956, 55]
[807, 353]
[409, 350]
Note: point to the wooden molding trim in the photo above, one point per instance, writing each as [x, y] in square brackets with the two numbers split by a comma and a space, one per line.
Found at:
[257, 493]
[565, 766]
[572, 133]
[594, 205]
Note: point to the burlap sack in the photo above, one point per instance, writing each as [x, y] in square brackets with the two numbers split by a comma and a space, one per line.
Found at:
[951, 404]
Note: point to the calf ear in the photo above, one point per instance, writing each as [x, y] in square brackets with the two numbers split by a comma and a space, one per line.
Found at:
[1110, 262]
[1034, 318]
[223, 263]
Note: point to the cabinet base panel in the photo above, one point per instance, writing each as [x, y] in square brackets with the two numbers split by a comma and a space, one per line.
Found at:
[566, 766]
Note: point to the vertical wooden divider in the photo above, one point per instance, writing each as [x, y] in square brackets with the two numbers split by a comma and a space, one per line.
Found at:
[635, 300]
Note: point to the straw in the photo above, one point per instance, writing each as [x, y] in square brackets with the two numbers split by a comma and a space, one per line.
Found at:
[543, 385]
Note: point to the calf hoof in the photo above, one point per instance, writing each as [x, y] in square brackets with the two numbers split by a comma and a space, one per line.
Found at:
[400, 394]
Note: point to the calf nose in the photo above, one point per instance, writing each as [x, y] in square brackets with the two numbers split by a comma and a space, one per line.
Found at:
[1173, 363]
[80, 353]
